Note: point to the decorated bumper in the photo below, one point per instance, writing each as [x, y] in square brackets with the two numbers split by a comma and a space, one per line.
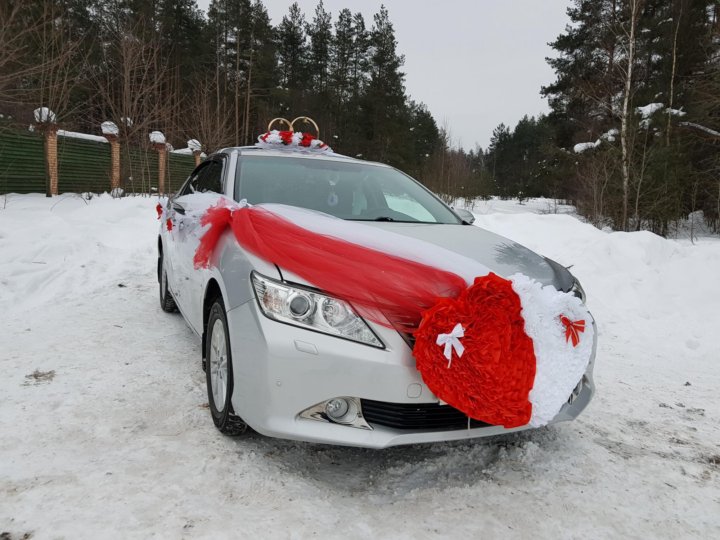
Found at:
[282, 374]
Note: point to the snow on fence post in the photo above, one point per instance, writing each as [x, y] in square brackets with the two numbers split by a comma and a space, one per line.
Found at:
[47, 125]
[160, 145]
[110, 132]
[196, 147]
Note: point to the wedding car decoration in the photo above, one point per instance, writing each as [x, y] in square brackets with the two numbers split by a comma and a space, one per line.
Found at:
[503, 351]
[274, 138]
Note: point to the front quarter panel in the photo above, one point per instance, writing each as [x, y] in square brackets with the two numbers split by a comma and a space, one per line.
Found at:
[232, 271]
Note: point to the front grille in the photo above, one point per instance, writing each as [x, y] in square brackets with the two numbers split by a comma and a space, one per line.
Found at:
[417, 416]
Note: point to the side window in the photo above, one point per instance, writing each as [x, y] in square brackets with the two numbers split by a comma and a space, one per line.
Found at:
[211, 178]
[193, 185]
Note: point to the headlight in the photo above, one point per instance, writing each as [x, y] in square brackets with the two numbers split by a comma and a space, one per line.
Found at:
[312, 310]
[578, 291]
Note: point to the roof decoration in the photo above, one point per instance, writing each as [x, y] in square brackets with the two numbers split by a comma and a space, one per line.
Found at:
[291, 139]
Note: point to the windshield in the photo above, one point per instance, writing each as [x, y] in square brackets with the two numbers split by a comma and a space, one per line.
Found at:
[348, 190]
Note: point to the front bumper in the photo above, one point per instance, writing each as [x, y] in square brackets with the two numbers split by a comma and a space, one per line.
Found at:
[282, 370]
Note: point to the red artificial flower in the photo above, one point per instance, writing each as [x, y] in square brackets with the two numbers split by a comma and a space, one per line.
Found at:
[307, 140]
[264, 137]
[287, 137]
[169, 224]
[159, 210]
[573, 329]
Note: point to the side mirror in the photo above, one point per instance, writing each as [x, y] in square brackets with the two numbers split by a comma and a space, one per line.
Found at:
[465, 215]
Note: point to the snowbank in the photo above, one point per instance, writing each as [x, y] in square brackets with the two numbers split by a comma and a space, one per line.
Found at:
[106, 428]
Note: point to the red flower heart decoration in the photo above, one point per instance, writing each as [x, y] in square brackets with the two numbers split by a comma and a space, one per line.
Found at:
[491, 381]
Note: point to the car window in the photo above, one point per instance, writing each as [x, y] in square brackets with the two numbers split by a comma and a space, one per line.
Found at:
[211, 179]
[349, 190]
[206, 177]
[195, 176]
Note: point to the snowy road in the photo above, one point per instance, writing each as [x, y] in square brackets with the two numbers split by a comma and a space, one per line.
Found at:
[104, 430]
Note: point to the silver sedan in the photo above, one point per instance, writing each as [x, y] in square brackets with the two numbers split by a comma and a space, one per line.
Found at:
[270, 367]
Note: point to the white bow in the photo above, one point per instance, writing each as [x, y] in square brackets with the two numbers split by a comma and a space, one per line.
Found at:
[451, 341]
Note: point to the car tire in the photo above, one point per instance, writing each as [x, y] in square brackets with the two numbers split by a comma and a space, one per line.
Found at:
[167, 302]
[219, 372]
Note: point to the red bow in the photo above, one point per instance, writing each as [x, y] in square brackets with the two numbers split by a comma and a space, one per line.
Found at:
[572, 329]
[159, 210]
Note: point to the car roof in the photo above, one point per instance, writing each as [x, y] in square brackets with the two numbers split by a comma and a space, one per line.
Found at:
[296, 153]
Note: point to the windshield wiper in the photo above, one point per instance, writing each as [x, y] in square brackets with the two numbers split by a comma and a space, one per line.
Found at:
[383, 218]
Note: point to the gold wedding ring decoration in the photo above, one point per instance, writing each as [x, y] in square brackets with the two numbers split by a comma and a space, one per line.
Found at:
[291, 125]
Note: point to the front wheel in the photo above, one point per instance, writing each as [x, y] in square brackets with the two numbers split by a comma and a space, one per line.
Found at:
[167, 302]
[219, 372]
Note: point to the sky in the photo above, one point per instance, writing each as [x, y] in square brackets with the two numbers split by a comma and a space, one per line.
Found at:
[474, 63]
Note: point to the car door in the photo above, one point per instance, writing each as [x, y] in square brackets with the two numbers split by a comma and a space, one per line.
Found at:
[204, 190]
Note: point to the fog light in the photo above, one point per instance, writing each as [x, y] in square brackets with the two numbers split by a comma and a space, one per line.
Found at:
[337, 408]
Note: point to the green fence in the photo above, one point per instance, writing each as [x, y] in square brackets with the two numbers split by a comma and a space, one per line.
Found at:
[179, 168]
[83, 165]
[138, 170]
[22, 162]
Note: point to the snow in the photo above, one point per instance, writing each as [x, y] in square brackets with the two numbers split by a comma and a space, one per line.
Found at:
[648, 110]
[610, 135]
[106, 428]
[78, 135]
[646, 113]
[702, 128]
[194, 145]
[43, 114]
[157, 137]
[109, 128]
[676, 112]
[582, 147]
[188, 152]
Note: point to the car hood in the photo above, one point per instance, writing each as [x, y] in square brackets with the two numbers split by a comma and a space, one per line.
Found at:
[501, 255]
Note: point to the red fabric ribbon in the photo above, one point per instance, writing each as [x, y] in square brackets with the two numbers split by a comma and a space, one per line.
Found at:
[572, 329]
[405, 290]
[169, 224]
[159, 210]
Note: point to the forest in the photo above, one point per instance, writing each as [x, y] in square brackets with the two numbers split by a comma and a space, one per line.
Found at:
[632, 136]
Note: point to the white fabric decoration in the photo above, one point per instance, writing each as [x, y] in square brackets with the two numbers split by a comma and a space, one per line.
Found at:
[452, 341]
[559, 365]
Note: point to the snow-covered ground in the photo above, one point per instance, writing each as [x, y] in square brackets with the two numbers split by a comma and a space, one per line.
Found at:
[105, 431]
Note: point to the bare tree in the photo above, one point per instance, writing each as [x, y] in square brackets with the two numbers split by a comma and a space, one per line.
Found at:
[202, 121]
[37, 58]
[131, 84]
[626, 114]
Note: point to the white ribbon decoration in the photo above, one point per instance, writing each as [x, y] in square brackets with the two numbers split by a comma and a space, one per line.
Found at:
[452, 341]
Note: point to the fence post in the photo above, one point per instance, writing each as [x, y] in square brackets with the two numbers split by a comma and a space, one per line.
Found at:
[196, 147]
[45, 119]
[158, 141]
[110, 132]
[51, 156]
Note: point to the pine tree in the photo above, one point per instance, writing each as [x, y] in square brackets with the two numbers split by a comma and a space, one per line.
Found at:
[292, 56]
[384, 104]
